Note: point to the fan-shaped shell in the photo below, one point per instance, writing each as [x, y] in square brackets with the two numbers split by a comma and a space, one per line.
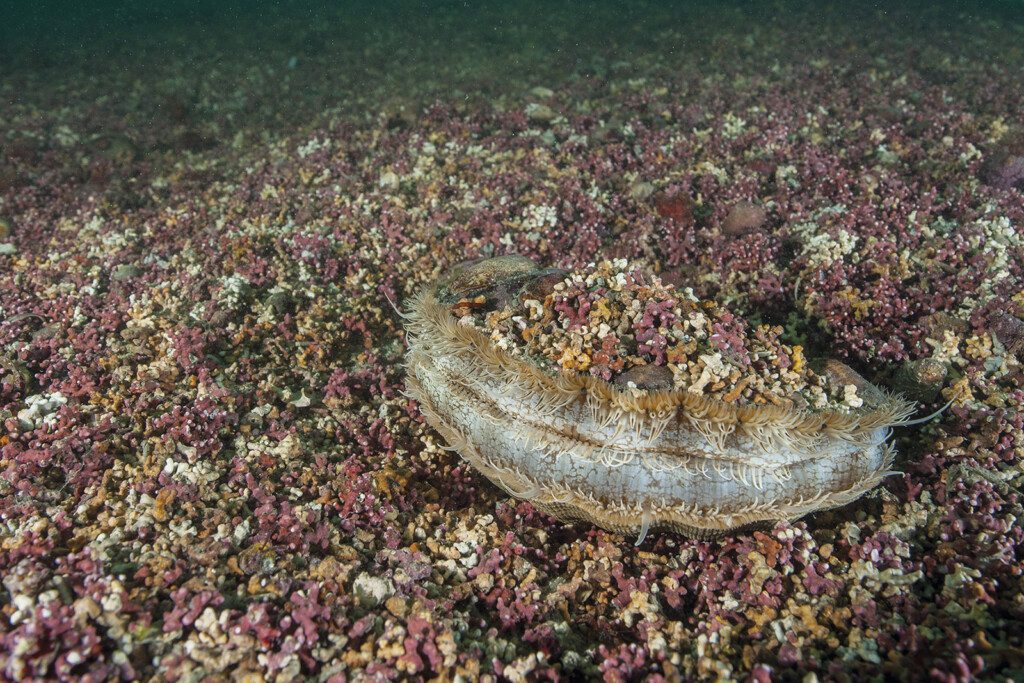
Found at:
[584, 449]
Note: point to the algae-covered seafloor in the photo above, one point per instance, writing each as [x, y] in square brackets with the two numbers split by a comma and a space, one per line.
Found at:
[208, 467]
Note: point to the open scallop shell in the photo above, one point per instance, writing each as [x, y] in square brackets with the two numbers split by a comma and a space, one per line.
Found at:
[583, 449]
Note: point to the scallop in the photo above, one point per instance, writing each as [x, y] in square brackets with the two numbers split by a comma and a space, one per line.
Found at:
[632, 457]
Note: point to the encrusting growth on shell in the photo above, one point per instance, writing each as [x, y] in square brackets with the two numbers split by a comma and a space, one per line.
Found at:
[604, 395]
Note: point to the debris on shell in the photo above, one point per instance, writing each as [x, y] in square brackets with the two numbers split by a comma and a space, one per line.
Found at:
[650, 449]
[647, 378]
[468, 279]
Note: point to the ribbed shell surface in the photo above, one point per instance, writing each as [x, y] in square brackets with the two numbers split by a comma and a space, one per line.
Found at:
[583, 450]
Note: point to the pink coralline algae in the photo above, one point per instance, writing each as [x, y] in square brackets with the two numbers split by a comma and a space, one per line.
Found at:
[208, 466]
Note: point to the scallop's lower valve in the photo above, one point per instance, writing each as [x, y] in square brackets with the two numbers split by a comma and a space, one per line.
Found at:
[604, 395]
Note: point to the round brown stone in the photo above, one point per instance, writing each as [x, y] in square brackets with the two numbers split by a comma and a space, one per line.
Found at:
[648, 377]
[542, 283]
[744, 217]
[474, 277]
[921, 379]
[1009, 330]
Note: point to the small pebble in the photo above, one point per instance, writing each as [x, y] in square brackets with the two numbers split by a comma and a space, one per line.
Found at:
[542, 284]
[371, 591]
[1004, 166]
[540, 113]
[744, 217]
[1009, 330]
[647, 377]
[471, 277]
[920, 380]
[641, 191]
[125, 271]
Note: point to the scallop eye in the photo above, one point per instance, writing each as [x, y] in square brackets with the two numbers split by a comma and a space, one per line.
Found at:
[637, 406]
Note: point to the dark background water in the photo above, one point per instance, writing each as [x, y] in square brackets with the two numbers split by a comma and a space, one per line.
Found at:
[47, 33]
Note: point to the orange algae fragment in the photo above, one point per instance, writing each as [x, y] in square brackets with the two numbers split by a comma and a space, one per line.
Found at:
[737, 390]
[797, 356]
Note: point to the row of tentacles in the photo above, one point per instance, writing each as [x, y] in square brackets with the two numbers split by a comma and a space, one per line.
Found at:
[583, 449]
